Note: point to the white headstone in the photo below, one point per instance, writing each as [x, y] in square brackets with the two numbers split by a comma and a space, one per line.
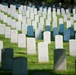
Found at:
[68, 24]
[13, 24]
[60, 21]
[58, 11]
[1, 47]
[2, 29]
[20, 17]
[31, 46]
[43, 52]
[72, 47]
[47, 37]
[21, 41]
[24, 19]
[28, 21]
[24, 28]
[7, 32]
[14, 36]
[18, 25]
[58, 42]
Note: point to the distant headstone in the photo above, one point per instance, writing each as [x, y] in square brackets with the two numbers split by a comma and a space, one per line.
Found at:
[66, 35]
[74, 26]
[14, 36]
[55, 31]
[58, 42]
[2, 29]
[1, 47]
[30, 31]
[18, 25]
[31, 46]
[24, 28]
[43, 52]
[13, 23]
[48, 28]
[65, 18]
[7, 59]
[21, 40]
[38, 33]
[58, 11]
[72, 47]
[71, 31]
[20, 17]
[48, 22]
[60, 20]
[59, 59]
[7, 32]
[54, 24]
[61, 28]
[47, 37]
[20, 66]
[68, 24]
[28, 21]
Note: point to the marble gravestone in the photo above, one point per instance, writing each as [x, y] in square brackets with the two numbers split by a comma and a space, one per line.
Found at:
[47, 37]
[43, 52]
[1, 47]
[7, 32]
[24, 29]
[58, 42]
[2, 30]
[20, 66]
[7, 59]
[59, 59]
[14, 36]
[18, 25]
[38, 33]
[31, 46]
[21, 40]
[74, 26]
[72, 47]
[68, 24]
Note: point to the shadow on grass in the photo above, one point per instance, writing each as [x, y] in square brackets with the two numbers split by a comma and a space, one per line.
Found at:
[36, 72]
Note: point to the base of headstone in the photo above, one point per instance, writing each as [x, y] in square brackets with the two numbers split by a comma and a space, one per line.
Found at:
[59, 59]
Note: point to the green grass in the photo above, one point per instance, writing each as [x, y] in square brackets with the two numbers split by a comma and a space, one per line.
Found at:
[33, 64]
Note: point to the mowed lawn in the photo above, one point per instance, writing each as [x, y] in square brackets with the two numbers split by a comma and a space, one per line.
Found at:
[33, 64]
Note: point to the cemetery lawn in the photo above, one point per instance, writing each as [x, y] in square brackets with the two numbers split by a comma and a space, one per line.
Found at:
[33, 64]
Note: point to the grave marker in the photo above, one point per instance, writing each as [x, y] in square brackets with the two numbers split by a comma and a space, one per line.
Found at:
[43, 52]
[7, 59]
[59, 59]
[31, 46]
